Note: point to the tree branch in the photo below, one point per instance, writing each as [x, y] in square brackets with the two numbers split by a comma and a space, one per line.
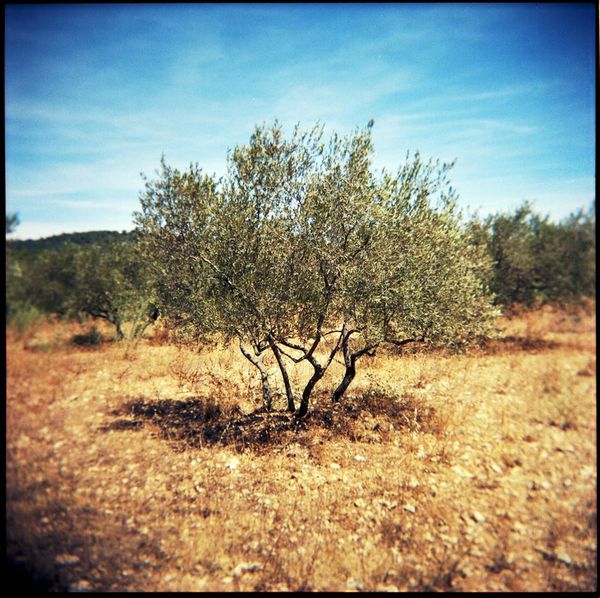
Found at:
[404, 341]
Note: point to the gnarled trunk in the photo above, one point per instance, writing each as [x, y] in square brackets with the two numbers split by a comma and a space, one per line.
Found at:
[264, 377]
[319, 373]
[286, 380]
[350, 363]
[339, 392]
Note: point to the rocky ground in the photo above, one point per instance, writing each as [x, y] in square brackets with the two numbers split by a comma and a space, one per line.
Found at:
[136, 467]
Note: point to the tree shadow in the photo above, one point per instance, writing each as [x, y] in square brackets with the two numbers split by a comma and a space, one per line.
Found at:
[516, 344]
[492, 346]
[201, 421]
[197, 422]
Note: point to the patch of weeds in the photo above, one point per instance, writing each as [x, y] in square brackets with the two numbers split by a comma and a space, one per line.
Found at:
[589, 369]
[561, 415]
[24, 319]
[372, 416]
[581, 573]
[92, 338]
[440, 580]
[41, 348]
[516, 344]
[500, 560]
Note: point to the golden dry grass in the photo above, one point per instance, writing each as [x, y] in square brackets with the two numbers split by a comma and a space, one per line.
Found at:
[466, 471]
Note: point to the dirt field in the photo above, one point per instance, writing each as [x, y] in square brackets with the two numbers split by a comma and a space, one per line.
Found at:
[136, 467]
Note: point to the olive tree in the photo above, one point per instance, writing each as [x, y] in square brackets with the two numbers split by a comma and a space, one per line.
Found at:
[110, 283]
[536, 260]
[105, 281]
[303, 250]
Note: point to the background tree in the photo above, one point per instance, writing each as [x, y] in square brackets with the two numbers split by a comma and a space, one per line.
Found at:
[537, 261]
[12, 221]
[110, 283]
[106, 281]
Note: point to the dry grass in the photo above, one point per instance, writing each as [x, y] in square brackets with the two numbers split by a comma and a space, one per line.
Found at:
[144, 467]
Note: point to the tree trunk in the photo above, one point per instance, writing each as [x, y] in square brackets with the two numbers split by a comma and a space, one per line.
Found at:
[319, 371]
[120, 333]
[266, 389]
[350, 362]
[286, 380]
[264, 378]
[343, 387]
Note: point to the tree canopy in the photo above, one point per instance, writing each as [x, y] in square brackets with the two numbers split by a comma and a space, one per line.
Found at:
[302, 249]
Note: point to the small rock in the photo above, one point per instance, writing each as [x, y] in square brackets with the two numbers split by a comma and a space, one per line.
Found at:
[413, 482]
[67, 559]
[360, 503]
[410, 507]
[360, 458]
[83, 585]
[335, 466]
[563, 557]
[385, 588]
[477, 516]
[467, 570]
[462, 472]
[354, 584]
[232, 463]
[518, 527]
[246, 568]
[296, 450]
[496, 467]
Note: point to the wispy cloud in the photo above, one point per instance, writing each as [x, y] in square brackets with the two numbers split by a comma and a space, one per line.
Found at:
[94, 95]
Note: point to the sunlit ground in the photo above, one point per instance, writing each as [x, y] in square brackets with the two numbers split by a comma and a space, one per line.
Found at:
[136, 467]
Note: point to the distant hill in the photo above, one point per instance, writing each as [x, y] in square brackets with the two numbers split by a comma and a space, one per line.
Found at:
[30, 246]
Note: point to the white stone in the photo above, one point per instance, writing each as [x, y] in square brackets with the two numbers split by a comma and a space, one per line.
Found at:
[477, 516]
[67, 559]
[232, 463]
[242, 568]
[461, 471]
[83, 585]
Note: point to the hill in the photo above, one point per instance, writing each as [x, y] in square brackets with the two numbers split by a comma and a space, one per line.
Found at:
[32, 246]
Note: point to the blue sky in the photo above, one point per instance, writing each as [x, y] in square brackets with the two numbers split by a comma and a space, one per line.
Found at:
[95, 94]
